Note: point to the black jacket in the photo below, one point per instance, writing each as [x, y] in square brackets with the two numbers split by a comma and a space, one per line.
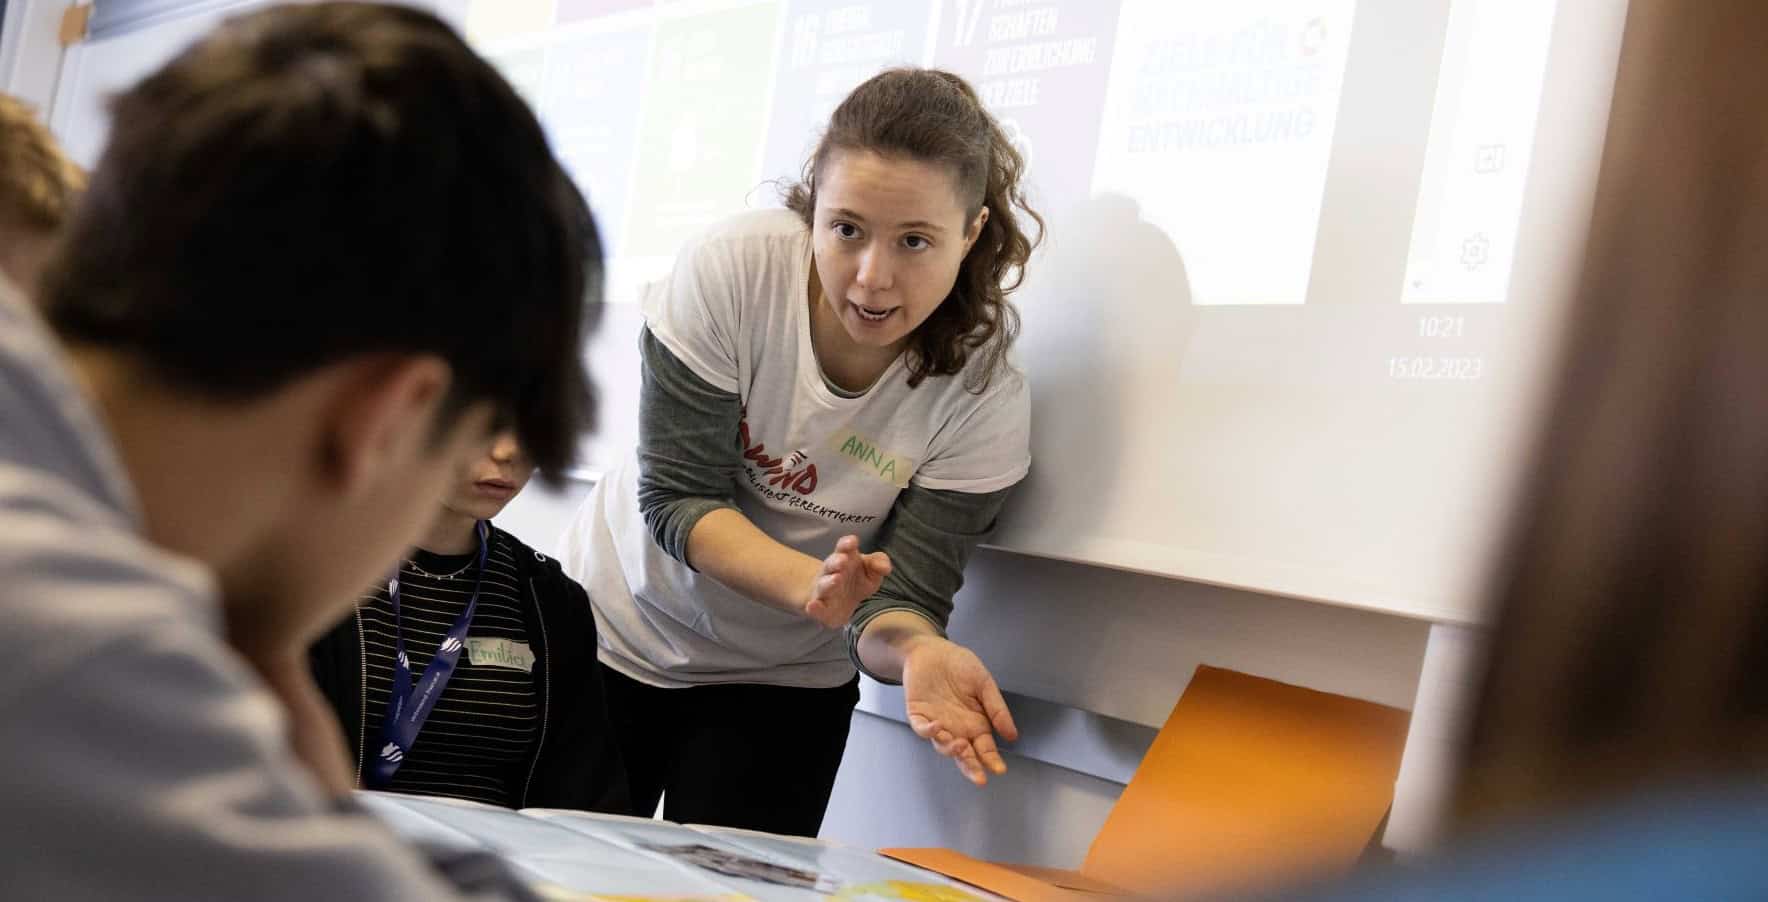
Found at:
[576, 763]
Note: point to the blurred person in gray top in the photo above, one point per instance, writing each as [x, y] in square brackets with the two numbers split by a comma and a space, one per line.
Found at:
[1618, 745]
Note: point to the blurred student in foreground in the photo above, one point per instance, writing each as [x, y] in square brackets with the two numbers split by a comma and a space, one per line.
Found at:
[275, 352]
[1619, 746]
[38, 188]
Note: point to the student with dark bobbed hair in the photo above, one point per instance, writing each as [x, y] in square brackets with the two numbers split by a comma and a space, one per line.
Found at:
[470, 671]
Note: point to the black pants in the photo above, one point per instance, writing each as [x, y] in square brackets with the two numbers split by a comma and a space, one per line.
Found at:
[732, 755]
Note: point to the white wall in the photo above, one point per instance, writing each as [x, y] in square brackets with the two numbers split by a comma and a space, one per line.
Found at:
[538, 515]
[92, 71]
[30, 51]
[1115, 643]
[894, 791]
[1118, 644]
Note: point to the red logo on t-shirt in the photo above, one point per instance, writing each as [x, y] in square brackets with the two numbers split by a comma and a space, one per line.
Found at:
[794, 472]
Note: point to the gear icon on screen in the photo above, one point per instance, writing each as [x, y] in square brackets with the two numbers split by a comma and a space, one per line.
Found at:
[1313, 36]
[1476, 250]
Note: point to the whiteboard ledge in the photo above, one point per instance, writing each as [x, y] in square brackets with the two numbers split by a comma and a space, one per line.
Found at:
[1255, 576]
[1082, 741]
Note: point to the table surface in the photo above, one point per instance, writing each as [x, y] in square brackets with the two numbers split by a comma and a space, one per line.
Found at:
[583, 856]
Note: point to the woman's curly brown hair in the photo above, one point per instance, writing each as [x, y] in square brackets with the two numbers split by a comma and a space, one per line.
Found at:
[936, 117]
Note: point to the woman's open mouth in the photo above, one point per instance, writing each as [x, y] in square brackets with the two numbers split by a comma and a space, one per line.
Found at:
[874, 314]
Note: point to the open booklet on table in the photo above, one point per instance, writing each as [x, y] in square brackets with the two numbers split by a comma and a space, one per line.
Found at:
[573, 855]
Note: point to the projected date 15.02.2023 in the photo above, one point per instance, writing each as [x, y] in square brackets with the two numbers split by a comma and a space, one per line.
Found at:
[1436, 368]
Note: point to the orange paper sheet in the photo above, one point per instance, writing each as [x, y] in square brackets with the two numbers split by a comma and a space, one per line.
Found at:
[1250, 781]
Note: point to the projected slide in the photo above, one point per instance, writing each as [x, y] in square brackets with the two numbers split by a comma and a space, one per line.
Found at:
[1301, 254]
[1219, 119]
[497, 19]
[830, 46]
[577, 10]
[593, 117]
[704, 115]
[524, 66]
[1041, 68]
[1482, 132]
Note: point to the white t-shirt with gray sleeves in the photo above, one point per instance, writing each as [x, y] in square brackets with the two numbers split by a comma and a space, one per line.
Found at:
[810, 465]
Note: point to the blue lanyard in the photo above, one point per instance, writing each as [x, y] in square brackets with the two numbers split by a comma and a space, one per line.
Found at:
[408, 708]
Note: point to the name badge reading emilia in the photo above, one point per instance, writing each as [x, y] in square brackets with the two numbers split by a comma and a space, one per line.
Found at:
[500, 653]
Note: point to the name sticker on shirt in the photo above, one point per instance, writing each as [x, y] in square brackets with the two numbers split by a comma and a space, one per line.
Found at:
[500, 653]
[886, 465]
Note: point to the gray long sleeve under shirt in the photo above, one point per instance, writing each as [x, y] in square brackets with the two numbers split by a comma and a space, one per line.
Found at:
[688, 468]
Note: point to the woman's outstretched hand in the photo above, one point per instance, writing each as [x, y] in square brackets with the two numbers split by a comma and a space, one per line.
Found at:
[954, 704]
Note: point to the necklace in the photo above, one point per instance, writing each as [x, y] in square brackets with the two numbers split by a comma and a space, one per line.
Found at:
[422, 572]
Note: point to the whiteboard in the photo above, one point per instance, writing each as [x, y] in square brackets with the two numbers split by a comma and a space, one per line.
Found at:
[1305, 257]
